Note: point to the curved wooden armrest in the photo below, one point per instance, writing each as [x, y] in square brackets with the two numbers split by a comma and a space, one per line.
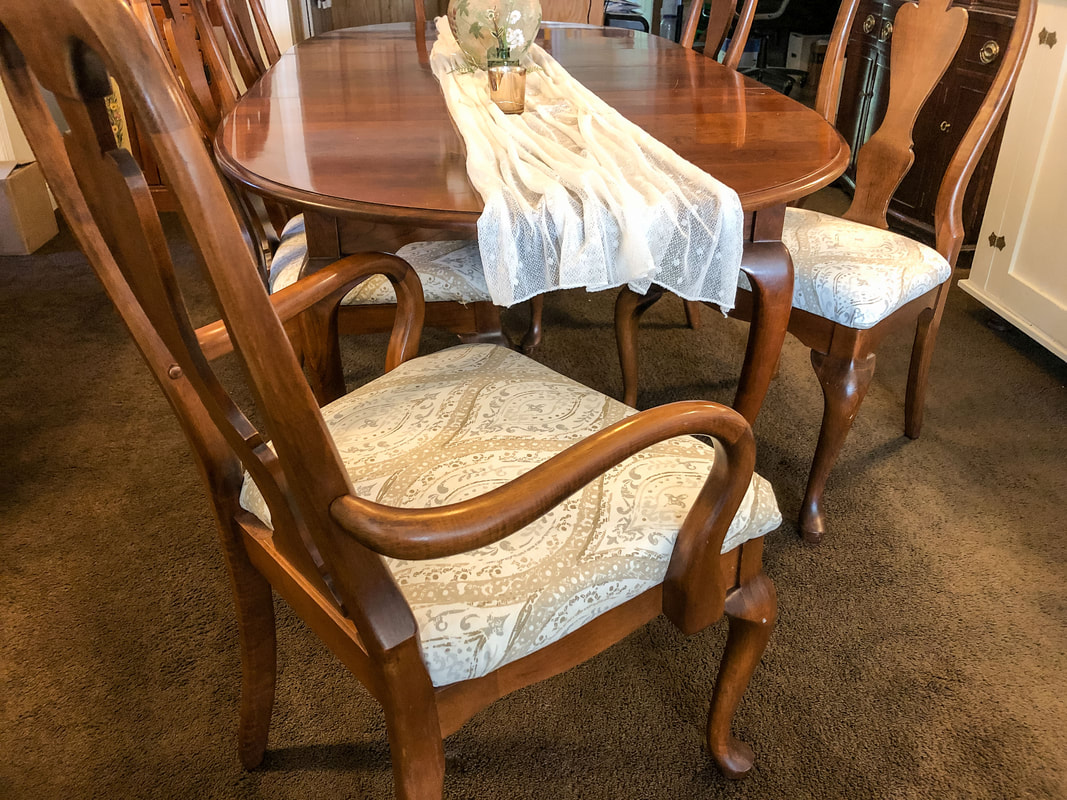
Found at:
[328, 286]
[421, 533]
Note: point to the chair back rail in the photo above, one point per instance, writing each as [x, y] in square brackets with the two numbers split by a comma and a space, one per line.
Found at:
[926, 36]
[723, 13]
[197, 61]
[249, 36]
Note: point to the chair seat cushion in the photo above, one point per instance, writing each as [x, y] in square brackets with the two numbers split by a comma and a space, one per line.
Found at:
[854, 274]
[449, 271]
[457, 423]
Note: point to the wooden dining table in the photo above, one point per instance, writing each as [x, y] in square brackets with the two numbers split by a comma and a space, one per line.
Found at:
[352, 128]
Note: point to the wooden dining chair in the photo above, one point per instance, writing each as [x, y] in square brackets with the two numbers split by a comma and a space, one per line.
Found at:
[855, 281]
[458, 299]
[726, 18]
[469, 523]
[249, 35]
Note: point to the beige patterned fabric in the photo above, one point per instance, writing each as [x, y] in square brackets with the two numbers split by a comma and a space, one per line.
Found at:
[457, 423]
[449, 271]
[854, 274]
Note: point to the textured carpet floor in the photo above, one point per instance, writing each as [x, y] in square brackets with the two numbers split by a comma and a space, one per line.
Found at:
[921, 651]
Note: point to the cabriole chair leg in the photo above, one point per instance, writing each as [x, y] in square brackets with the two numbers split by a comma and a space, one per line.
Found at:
[844, 382]
[922, 353]
[752, 610]
[629, 307]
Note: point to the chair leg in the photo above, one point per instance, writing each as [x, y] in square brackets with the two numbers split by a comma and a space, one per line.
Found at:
[322, 354]
[692, 314]
[629, 306]
[770, 273]
[844, 381]
[487, 326]
[415, 745]
[534, 332]
[752, 610]
[255, 625]
[922, 353]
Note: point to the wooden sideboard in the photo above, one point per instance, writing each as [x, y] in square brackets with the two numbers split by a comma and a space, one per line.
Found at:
[943, 120]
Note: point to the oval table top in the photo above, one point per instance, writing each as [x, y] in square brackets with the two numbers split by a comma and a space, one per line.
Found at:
[353, 123]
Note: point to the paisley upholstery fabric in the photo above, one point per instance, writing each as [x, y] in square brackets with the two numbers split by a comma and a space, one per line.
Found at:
[450, 271]
[457, 423]
[854, 274]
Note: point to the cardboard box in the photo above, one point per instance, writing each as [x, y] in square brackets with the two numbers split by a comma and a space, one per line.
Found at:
[27, 220]
[798, 56]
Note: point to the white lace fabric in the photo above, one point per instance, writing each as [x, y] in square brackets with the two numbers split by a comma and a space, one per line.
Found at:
[576, 195]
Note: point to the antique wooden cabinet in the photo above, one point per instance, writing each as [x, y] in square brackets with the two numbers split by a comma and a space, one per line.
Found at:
[943, 120]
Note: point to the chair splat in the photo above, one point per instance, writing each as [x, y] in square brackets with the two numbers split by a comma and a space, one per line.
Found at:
[926, 37]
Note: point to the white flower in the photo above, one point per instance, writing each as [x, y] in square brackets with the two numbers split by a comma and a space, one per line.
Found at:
[516, 38]
[514, 17]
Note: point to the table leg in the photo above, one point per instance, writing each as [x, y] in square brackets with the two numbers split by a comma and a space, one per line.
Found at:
[770, 273]
[767, 307]
[629, 306]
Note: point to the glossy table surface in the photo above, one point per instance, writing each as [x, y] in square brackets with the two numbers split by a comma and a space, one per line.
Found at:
[353, 123]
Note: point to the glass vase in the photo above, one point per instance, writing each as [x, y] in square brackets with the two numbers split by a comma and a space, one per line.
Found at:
[483, 27]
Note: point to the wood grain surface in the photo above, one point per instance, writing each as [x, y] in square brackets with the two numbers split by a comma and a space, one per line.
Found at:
[353, 123]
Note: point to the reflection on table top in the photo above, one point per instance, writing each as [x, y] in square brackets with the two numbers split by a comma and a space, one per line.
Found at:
[353, 122]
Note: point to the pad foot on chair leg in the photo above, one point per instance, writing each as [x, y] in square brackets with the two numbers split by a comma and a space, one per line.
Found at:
[735, 759]
[812, 523]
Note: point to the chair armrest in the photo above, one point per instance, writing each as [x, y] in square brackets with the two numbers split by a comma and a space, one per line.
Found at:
[324, 290]
[694, 592]
[422, 533]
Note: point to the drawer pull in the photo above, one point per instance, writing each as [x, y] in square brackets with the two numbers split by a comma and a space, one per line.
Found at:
[944, 126]
[887, 31]
[996, 241]
[1045, 37]
[870, 22]
[989, 52]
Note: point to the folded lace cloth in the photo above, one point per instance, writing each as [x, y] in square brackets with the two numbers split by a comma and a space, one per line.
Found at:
[577, 195]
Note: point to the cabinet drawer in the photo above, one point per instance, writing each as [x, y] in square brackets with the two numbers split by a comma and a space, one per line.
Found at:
[983, 43]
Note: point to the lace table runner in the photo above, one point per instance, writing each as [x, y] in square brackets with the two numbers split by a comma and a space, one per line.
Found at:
[577, 195]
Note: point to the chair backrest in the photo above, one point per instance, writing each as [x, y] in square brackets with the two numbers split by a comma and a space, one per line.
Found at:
[926, 36]
[197, 60]
[722, 15]
[107, 203]
[198, 63]
[249, 35]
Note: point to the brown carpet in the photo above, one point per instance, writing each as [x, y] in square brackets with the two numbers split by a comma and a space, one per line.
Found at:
[921, 651]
